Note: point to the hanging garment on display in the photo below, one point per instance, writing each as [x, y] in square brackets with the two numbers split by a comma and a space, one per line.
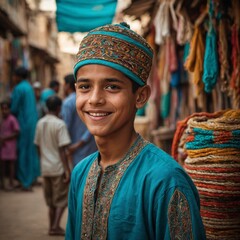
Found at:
[210, 65]
[194, 61]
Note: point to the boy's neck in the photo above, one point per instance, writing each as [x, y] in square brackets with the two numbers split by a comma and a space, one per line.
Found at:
[114, 149]
[53, 113]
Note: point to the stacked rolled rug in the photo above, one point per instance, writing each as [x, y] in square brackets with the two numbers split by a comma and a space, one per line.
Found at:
[210, 144]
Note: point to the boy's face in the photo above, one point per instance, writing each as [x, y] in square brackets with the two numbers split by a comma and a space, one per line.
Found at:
[66, 88]
[56, 88]
[16, 79]
[5, 110]
[37, 92]
[105, 101]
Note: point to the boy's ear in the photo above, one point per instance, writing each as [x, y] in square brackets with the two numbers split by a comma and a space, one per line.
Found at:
[143, 94]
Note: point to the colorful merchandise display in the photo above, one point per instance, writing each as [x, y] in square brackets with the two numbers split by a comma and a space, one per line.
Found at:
[208, 147]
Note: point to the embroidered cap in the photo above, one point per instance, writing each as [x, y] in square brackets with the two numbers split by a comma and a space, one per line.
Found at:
[118, 47]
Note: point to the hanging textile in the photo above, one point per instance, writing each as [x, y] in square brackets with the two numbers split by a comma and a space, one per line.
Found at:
[210, 65]
[223, 55]
[184, 28]
[194, 61]
[82, 16]
[222, 9]
[235, 77]
[162, 23]
[164, 17]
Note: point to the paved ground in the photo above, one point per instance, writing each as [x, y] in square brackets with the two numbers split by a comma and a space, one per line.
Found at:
[23, 216]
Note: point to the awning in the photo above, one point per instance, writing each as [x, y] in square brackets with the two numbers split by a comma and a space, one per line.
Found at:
[84, 15]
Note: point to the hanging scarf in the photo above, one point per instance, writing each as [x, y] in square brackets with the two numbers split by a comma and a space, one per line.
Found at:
[223, 55]
[235, 78]
[210, 65]
[194, 61]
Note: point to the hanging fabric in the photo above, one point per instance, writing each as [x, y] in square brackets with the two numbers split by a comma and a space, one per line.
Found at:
[162, 23]
[223, 55]
[194, 61]
[184, 28]
[210, 65]
[235, 78]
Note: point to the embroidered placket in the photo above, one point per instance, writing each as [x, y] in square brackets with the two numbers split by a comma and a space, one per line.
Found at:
[95, 216]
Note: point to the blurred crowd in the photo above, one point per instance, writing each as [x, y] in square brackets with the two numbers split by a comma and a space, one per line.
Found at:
[41, 135]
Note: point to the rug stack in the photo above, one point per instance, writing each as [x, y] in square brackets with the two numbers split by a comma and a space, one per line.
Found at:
[208, 147]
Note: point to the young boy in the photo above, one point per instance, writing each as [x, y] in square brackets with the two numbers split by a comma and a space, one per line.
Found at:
[52, 139]
[129, 189]
[9, 131]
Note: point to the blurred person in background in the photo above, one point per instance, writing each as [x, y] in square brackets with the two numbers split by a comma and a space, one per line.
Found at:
[9, 131]
[23, 106]
[52, 89]
[52, 139]
[83, 143]
[40, 107]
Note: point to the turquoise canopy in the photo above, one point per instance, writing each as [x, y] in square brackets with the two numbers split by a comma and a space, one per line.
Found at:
[84, 15]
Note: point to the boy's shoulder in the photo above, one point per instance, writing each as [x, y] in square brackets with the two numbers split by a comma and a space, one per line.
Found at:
[157, 152]
[13, 120]
[23, 86]
[51, 118]
[154, 158]
[85, 164]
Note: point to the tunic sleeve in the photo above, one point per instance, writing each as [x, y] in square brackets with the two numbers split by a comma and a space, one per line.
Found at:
[180, 210]
[63, 136]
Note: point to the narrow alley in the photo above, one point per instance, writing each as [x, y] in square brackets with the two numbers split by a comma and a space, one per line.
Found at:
[24, 216]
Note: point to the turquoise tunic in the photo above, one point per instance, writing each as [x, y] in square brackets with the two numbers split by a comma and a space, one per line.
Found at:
[146, 195]
[23, 106]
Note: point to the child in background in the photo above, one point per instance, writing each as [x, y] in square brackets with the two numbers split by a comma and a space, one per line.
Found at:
[9, 130]
[52, 139]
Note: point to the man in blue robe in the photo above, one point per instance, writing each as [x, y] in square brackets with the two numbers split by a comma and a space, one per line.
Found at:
[23, 106]
[129, 189]
[83, 143]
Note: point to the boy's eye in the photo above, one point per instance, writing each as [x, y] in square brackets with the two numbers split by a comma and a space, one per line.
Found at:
[83, 86]
[112, 87]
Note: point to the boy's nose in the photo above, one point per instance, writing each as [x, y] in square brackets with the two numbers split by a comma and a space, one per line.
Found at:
[96, 97]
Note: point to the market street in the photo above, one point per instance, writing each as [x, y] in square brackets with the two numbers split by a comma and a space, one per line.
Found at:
[24, 216]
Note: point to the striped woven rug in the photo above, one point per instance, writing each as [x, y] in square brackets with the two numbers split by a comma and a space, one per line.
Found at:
[211, 148]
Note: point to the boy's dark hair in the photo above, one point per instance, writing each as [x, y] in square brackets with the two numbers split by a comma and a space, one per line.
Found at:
[21, 72]
[5, 102]
[54, 83]
[53, 103]
[135, 86]
[69, 79]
